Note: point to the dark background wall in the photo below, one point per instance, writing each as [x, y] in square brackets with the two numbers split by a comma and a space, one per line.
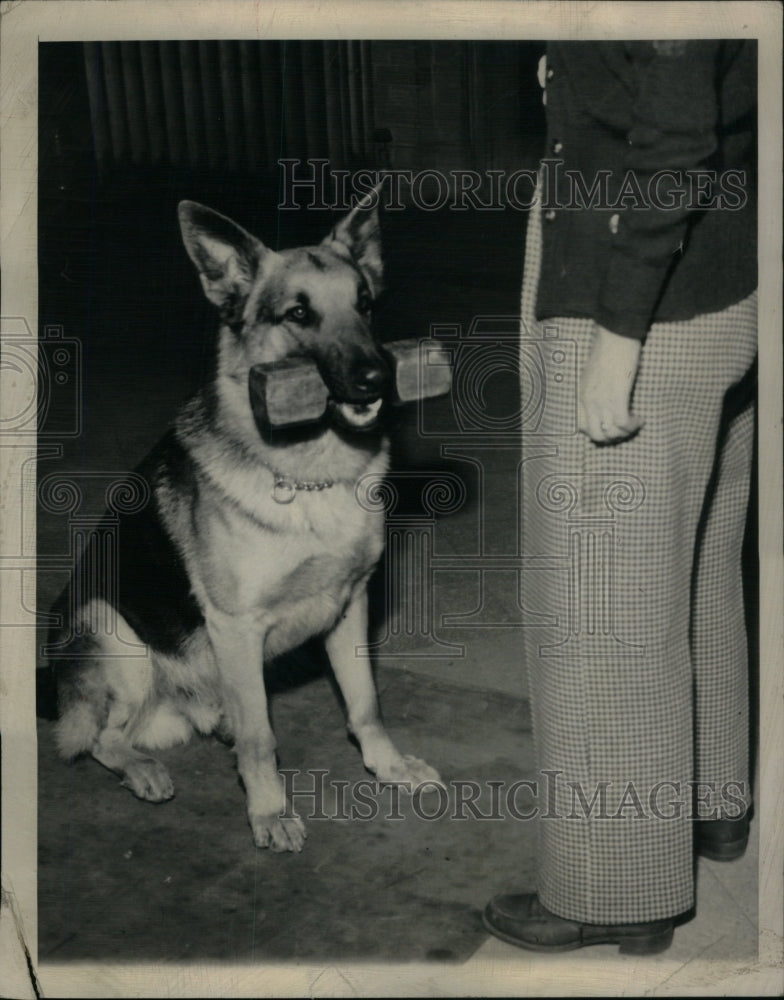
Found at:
[239, 106]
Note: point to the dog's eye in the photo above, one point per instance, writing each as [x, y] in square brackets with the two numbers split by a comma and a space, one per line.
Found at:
[298, 313]
[364, 303]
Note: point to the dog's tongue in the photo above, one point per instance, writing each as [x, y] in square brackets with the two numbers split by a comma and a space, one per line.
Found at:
[359, 414]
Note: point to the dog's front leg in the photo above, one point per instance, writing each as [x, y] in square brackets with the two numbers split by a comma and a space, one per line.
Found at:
[238, 644]
[352, 669]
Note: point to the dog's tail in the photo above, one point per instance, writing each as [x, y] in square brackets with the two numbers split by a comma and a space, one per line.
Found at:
[83, 705]
[77, 730]
[71, 688]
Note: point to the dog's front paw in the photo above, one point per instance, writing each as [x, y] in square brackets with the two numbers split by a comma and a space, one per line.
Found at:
[410, 772]
[148, 779]
[279, 833]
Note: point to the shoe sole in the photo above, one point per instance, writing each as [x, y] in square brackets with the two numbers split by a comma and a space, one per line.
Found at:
[650, 944]
[723, 852]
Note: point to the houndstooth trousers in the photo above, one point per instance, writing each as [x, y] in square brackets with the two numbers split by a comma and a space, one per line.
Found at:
[635, 639]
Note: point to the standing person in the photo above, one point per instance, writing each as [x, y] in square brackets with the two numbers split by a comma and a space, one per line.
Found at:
[641, 299]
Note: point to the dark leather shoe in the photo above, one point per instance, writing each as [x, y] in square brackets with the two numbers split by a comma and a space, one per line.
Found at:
[522, 920]
[722, 839]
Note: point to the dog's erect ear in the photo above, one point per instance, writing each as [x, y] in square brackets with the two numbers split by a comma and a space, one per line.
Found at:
[359, 233]
[226, 256]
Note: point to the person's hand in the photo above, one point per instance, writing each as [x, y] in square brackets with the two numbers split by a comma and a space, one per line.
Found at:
[606, 384]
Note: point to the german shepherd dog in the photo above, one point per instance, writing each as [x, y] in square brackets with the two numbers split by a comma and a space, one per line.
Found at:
[222, 571]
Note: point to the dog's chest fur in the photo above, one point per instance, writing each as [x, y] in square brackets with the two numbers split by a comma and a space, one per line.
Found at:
[291, 568]
[294, 583]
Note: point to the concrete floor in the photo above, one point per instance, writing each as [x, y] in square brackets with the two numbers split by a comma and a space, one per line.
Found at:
[451, 677]
[124, 880]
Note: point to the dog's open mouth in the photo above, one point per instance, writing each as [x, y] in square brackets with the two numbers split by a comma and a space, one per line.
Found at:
[360, 416]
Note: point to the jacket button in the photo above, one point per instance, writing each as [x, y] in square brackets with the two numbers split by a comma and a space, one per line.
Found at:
[614, 221]
[550, 214]
[557, 147]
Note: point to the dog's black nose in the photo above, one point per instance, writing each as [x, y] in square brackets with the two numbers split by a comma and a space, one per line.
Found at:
[370, 380]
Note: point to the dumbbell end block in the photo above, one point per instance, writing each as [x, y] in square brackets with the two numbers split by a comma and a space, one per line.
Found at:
[422, 369]
[288, 392]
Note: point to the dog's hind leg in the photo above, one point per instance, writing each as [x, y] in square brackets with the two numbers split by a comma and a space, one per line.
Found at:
[238, 644]
[146, 777]
[105, 696]
[97, 716]
[355, 677]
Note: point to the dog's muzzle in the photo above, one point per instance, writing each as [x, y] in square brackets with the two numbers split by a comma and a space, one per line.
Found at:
[359, 408]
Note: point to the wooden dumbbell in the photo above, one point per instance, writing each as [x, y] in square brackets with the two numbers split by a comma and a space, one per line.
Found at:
[289, 392]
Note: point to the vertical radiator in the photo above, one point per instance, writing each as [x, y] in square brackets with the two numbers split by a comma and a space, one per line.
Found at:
[229, 105]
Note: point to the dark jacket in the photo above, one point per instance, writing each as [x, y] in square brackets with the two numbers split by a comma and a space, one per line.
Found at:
[633, 110]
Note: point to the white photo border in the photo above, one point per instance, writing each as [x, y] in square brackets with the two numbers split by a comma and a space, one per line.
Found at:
[24, 25]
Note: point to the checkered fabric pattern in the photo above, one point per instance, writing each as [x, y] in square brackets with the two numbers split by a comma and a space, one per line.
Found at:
[635, 644]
